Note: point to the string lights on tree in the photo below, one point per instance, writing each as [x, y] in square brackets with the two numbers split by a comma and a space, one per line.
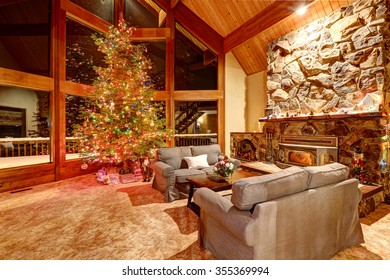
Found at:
[121, 125]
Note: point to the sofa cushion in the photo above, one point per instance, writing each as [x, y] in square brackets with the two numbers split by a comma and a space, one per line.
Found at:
[174, 156]
[197, 161]
[326, 174]
[212, 151]
[182, 174]
[249, 191]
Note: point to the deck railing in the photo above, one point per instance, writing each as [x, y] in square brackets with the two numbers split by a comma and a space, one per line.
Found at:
[32, 146]
[37, 146]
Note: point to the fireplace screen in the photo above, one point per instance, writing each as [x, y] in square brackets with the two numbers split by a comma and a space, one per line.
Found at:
[301, 157]
[308, 150]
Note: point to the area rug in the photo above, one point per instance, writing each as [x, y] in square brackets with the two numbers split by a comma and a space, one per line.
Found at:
[81, 219]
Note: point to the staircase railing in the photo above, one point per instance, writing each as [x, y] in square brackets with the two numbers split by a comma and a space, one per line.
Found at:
[195, 139]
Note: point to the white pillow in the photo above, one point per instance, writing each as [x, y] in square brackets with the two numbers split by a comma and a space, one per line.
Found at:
[197, 162]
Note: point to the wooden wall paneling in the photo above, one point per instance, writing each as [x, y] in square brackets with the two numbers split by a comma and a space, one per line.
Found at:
[237, 52]
[14, 78]
[320, 13]
[326, 7]
[232, 17]
[216, 20]
[26, 176]
[251, 51]
[72, 168]
[289, 25]
[244, 58]
[262, 55]
[334, 4]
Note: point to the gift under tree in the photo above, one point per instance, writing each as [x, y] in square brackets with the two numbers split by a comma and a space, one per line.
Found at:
[121, 125]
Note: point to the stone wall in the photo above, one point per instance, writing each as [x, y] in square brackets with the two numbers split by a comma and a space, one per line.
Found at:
[334, 65]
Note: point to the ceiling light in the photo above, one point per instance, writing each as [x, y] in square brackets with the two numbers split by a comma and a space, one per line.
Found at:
[301, 11]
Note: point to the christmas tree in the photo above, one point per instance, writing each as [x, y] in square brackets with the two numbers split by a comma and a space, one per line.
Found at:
[121, 125]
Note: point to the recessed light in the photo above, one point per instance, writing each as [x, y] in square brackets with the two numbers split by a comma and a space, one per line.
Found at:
[301, 11]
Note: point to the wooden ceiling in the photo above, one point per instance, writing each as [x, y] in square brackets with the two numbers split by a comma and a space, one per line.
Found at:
[247, 26]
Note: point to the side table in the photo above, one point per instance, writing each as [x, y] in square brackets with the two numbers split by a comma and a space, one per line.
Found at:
[372, 196]
[260, 167]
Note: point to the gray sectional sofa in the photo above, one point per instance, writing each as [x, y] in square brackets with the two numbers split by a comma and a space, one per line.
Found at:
[296, 213]
[171, 168]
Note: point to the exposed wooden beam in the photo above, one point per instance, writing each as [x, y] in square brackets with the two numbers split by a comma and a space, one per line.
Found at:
[16, 78]
[162, 17]
[165, 4]
[148, 5]
[269, 16]
[119, 7]
[199, 28]
[147, 34]
[81, 15]
[174, 3]
[197, 95]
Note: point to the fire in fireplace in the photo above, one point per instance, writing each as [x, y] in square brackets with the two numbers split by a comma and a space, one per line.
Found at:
[308, 150]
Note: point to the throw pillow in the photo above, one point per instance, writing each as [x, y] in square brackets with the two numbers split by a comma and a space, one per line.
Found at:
[197, 162]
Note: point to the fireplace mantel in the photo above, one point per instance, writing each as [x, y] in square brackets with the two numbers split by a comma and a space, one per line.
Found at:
[325, 117]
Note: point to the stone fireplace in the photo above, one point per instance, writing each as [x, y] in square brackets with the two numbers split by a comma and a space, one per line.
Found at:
[369, 131]
[330, 78]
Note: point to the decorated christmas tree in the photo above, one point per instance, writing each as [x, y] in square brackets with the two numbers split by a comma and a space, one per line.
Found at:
[121, 125]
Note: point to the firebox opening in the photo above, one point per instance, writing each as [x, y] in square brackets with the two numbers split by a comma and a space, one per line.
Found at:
[301, 158]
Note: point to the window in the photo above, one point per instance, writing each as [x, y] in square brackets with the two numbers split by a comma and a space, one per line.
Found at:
[81, 53]
[146, 14]
[156, 53]
[160, 107]
[196, 123]
[75, 107]
[24, 126]
[25, 36]
[102, 8]
[195, 65]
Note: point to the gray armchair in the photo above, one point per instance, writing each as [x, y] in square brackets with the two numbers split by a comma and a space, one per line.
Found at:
[171, 170]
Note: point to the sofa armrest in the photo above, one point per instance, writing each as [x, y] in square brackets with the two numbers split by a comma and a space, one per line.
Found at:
[236, 162]
[239, 223]
[162, 169]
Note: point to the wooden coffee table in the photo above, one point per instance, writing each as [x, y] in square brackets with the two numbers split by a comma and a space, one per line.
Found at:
[211, 181]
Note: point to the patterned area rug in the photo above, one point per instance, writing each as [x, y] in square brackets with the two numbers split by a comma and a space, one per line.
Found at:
[79, 219]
